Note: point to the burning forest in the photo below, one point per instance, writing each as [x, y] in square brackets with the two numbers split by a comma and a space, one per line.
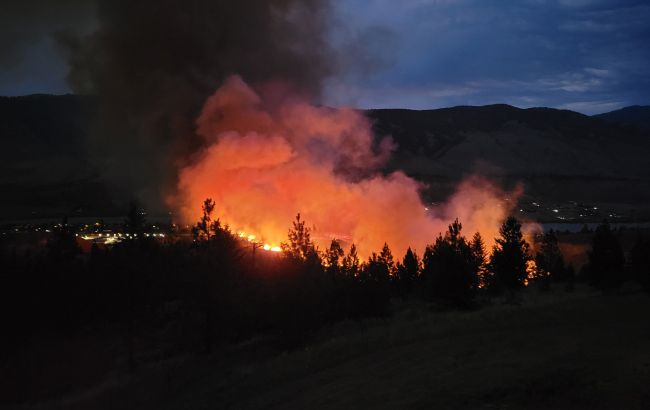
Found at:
[268, 157]
[285, 222]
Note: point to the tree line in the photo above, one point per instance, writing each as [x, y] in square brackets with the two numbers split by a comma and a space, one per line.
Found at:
[195, 295]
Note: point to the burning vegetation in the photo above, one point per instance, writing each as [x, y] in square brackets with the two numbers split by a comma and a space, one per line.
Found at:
[270, 155]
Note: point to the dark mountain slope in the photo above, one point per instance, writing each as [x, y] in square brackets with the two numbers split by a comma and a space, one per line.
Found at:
[44, 166]
[635, 116]
[554, 152]
[557, 154]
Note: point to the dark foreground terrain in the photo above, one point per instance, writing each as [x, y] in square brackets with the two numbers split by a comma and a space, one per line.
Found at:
[579, 350]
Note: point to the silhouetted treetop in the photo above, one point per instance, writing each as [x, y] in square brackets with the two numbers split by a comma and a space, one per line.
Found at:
[510, 256]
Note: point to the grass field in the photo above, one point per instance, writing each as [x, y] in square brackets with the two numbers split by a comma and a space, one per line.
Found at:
[558, 350]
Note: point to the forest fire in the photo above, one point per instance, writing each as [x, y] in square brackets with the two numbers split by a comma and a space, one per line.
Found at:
[269, 156]
[264, 246]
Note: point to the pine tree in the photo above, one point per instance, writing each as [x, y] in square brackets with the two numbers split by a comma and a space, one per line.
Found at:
[386, 258]
[300, 247]
[333, 258]
[510, 257]
[203, 229]
[449, 270]
[351, 263]
[549, 261]
[407, 273]
[477, 248]
[376, 269]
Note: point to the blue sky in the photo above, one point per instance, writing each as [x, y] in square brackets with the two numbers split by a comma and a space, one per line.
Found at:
[586, 55]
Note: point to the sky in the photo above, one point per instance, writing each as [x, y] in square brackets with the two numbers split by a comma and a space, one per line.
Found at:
[590, 56]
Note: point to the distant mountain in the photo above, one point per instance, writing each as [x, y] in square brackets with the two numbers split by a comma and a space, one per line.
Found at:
[40, 128]
[44, 166]
[557, 154]
[636, 116]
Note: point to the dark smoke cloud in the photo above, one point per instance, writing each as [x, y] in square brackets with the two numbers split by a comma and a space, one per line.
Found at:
[24, 23]
[153, 63]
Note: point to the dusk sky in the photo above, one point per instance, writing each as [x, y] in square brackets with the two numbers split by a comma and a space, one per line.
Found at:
[589, 56]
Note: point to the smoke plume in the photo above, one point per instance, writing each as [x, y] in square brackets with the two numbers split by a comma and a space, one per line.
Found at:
[259, 146]
[152, 63]
[268, 158]
[26, 23]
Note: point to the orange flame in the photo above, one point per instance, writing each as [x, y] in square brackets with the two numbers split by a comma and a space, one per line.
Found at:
[265, 162]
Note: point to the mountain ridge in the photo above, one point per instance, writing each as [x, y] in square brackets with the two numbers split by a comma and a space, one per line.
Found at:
[558, 154]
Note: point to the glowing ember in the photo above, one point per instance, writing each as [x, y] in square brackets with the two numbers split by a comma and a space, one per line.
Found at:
[534, 272]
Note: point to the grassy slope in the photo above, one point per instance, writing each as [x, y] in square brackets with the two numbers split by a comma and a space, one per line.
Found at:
[577, 352]
[558, 350]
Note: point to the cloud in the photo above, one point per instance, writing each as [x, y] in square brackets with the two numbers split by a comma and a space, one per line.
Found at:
[422, 53]
[540, 52]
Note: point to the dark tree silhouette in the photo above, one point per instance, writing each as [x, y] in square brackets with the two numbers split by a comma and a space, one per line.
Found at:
[509, 257]
[479, 259]
[299, 247]
[386, 258]
[376, 269]
[407, 273]
[333, 258]
[351, 265]
[449, 270]
[204, 228]
[549, 261]
[606, 259]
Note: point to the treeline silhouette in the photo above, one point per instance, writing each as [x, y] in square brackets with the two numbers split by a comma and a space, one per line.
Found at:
[167, 298]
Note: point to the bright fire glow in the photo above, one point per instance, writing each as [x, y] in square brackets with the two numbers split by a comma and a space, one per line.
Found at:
[269, 157]
[533, 272]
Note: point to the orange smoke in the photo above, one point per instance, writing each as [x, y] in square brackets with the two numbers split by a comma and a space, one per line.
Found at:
[264, 163]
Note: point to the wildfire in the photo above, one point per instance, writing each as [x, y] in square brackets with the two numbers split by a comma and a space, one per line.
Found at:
[533, 272]
[264, 246]
[269, 157]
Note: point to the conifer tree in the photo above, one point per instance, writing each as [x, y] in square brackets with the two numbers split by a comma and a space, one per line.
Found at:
[300, 246]
[351, 263]
[449, 270]
[510, 257]
[407, 273]
[333, 258]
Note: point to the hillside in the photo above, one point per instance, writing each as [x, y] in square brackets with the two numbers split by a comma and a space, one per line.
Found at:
[557, 350]
[558, 155]
[635, 116]
[44, 167]
[553, 152]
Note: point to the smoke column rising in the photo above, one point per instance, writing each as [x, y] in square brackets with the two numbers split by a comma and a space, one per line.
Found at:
[265, 162]
[153, 63]
[259, 147]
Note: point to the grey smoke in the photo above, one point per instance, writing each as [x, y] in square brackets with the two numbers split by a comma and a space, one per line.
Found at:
[152, 64]
[24, 23]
